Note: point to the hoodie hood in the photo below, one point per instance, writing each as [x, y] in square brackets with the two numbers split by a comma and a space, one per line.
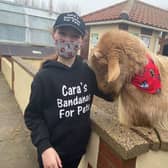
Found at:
[56, 64]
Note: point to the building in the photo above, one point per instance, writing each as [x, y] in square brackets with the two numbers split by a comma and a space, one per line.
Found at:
[20, 24]
[148, 22]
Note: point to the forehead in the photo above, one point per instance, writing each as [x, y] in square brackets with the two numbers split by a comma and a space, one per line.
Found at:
[69, 29]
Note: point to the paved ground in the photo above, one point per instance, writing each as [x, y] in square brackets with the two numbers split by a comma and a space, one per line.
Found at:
[16, 150]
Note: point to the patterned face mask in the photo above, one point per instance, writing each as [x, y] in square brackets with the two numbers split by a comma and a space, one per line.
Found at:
[67, 49]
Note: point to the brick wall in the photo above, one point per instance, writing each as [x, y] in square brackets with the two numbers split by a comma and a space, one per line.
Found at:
[108, 159]
[89, 166]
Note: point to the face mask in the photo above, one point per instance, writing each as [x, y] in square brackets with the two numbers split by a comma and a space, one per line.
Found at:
[67, 49]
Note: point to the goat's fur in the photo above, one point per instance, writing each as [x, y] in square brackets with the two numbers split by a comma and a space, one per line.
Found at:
[117, 57]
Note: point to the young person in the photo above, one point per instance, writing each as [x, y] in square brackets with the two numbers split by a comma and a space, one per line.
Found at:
[58, 113]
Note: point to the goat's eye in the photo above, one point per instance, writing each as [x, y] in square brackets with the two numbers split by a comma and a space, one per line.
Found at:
[98, 54]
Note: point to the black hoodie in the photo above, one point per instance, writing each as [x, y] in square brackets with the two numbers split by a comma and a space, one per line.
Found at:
[59, 107]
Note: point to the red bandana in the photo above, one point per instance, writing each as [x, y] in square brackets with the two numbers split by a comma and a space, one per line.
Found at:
[149, 81]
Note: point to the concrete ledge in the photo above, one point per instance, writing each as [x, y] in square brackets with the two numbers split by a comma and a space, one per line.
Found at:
[126, 142]
[28, 68]
[163, 136]
[150, 135]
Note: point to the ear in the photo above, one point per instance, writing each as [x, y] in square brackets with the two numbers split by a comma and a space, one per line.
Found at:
[113, 69]
[53, 33]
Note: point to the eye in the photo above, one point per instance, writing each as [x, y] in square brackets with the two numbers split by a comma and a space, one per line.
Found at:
[75, 36]
[62, 33]
[97, 54]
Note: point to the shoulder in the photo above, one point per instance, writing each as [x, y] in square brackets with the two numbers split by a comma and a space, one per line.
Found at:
[41, 75]
[85, 64]
[88, 70]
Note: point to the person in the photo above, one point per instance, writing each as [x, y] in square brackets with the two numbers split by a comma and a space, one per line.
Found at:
[58, 112]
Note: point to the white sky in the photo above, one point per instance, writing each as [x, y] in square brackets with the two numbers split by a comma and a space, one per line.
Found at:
[87, 6]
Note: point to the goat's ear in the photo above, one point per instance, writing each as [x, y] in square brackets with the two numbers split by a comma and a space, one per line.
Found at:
[113, 68]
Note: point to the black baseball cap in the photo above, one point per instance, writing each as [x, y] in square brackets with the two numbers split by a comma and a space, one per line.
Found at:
[70, 19]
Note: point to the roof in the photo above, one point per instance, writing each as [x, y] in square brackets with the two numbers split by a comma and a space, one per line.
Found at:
[131, 10]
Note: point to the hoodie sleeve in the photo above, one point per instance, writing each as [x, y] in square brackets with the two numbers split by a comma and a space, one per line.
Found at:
[99, 93]
[34, 118]
[107, 97]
